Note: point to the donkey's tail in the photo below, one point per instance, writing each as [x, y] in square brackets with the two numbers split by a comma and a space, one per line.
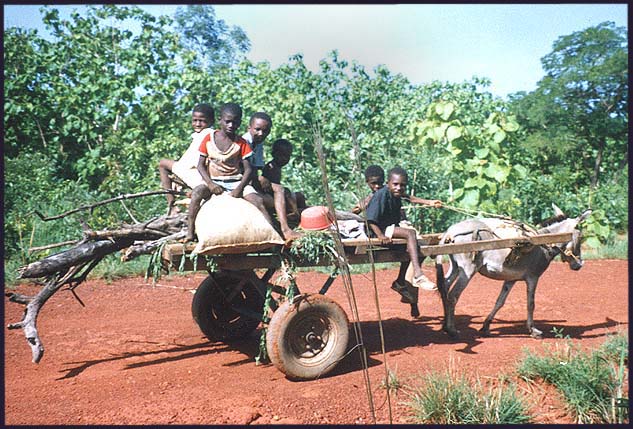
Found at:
[439, 275]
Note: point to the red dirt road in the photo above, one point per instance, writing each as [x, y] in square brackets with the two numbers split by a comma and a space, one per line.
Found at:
[134, 355]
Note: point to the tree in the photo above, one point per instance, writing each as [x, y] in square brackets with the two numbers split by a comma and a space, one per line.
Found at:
[580, 107]
[218, 44]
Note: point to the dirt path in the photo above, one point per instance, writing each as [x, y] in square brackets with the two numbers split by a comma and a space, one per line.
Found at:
[134, 355]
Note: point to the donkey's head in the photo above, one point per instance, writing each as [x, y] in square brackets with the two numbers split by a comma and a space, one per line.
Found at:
[569, 251]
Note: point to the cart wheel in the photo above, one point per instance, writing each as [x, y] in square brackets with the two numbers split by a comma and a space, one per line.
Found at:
[226, 306]
[307, 337]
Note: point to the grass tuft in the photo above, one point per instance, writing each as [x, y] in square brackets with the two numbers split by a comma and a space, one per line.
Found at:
[591, 382]
[448, 398]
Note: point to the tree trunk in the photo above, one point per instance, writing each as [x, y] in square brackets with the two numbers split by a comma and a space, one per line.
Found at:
[597, 163]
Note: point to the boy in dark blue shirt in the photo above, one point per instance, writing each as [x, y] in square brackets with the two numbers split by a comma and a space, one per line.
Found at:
[384, 216]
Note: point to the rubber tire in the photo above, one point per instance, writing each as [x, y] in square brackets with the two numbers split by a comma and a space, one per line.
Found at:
[213, 308]
[290, 324]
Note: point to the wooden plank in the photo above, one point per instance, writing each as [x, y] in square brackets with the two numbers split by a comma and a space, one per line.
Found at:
[426, 239]
[499, 243]
[173, 253]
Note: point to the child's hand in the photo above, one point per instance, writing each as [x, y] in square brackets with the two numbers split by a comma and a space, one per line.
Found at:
[215, 188]
[385, 240]
[235, 193]
[265, 184]
[433, 203]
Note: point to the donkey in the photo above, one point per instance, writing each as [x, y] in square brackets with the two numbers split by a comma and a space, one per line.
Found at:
[510, 265]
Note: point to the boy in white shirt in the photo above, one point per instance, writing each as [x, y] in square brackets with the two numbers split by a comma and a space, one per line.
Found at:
[185, 168]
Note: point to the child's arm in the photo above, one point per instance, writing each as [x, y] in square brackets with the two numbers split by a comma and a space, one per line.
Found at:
[416, 200]
[246, 177]
[202, 169]
[362, 205]
[379, 234]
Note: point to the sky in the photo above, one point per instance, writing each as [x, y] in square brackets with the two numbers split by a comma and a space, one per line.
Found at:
[424, 42]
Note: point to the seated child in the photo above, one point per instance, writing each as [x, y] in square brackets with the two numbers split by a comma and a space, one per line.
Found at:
[186, 167]
[271, 184]
[259, 127]
[383, 217]
[375, 179]
[224, 166]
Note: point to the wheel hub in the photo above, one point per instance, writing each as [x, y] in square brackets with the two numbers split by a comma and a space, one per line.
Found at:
[313, 341]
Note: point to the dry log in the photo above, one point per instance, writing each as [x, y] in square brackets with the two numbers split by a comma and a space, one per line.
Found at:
[80, 254]
[149, 247]
[28, 324]
[72, 266]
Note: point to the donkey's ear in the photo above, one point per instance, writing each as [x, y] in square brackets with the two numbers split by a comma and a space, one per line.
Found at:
[584, 215]
[557, 211]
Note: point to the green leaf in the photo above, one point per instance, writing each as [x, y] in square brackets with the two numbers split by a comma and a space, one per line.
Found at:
[446, 110]
[482, 153]
[470, 198]
[521, 171]
[592, 242]
[494, 146]
[453, 133]
[510, 126]
[497, 172]
[457, 193]
[453, 150]
[474, 182]
[499, 136]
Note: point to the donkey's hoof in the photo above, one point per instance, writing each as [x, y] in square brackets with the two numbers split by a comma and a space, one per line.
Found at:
[453, 333]
[415, 312]
[484, 332]
[535, 333]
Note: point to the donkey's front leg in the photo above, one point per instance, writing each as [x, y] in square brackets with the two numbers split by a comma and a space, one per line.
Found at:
[531, 290]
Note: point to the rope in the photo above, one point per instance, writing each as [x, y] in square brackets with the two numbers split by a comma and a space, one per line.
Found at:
[479, 213]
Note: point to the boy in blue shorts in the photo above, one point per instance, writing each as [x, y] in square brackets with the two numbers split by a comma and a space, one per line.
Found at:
[224, 164]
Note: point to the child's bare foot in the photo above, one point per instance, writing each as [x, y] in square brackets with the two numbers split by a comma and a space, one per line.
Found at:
[173, 211]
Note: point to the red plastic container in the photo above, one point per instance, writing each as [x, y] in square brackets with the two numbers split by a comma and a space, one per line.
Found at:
[316, 218]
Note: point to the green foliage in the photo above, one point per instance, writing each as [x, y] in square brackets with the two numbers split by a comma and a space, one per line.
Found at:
[200, 30]
[451, 399]
[576, 128]
[96, 107]
[314, 247]
[616, 247]
[391, 382]
[469, 131]
[590, 381]
[112, 269]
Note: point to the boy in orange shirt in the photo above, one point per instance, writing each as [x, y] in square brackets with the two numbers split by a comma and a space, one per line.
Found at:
[224, 165]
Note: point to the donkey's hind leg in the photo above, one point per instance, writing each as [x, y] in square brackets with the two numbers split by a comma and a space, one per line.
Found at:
[501, 299]
[463, 278]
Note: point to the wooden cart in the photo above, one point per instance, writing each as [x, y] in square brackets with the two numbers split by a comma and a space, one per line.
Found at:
[308, 334]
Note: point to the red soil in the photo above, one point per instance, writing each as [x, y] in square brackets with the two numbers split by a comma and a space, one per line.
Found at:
[134, 355]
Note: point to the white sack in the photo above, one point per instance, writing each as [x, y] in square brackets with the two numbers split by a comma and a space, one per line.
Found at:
[232, 225]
